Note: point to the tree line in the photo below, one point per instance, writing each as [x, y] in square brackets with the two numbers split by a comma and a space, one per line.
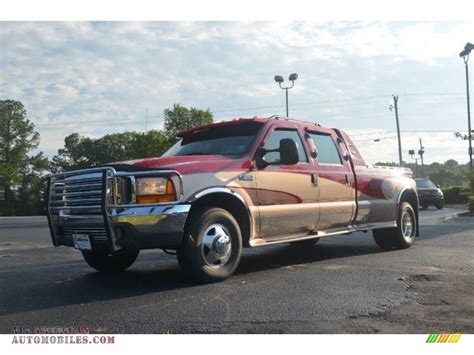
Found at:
[447, 174]
[23, 174]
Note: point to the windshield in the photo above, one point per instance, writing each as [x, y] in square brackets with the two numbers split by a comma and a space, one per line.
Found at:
[232, 140]
[425, 184]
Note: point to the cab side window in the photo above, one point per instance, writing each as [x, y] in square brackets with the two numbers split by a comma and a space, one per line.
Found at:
[327, 149]
[274, 143]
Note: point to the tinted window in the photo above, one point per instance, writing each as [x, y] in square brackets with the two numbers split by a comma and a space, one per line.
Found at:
[327, 150]
[274, 143]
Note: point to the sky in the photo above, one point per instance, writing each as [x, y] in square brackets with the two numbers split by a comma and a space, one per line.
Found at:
[96, 78]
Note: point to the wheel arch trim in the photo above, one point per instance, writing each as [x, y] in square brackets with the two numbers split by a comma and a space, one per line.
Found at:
[209, 192]
[213, 190]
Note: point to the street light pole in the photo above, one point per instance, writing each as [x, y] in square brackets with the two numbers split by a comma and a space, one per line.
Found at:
[412, 154]
[465, 56]
[279, 79]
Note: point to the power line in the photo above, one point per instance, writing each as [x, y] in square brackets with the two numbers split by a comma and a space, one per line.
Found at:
[409, 131]
[433, 94]
[129, 120]
[319, 104]
[138, 119]
[303, 103]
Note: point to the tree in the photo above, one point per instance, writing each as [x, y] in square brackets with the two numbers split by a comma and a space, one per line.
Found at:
[180, 118]
[31, 191]
[449, 173]
[17, 138]
[150, 144]
[82, 152]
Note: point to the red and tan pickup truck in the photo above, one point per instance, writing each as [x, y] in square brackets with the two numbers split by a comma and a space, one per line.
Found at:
[229, 185]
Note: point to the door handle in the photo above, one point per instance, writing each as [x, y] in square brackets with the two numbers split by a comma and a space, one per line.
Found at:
[349, 180]
[314, 180]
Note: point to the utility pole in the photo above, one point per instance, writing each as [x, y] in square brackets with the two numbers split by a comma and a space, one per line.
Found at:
[469, 133]
[420, 153]
[395, 106]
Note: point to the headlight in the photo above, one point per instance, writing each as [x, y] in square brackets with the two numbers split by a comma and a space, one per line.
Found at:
[155, 189]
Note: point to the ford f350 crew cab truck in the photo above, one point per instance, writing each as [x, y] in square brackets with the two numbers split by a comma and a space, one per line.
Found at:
[229, 185]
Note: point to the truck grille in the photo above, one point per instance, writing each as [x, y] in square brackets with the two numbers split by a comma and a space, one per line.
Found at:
[76, 195]
[75, 206]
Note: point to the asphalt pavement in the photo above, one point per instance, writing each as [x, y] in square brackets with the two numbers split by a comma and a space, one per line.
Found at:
[344, 284]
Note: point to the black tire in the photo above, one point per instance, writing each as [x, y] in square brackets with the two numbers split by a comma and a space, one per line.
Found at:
[440, 205]
[398, 237]
[212, 233]
[305, 242]
[110, 262]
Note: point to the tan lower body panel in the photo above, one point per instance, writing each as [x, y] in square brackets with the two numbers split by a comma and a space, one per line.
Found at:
[290, 218]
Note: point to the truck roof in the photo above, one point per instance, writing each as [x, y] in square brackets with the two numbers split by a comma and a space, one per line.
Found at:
[274, 119]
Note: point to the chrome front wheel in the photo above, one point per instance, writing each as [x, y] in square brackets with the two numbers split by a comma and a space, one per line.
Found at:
[212, 245]
[216, 246]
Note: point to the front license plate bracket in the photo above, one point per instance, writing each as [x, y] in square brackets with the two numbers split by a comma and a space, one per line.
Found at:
[82, 241]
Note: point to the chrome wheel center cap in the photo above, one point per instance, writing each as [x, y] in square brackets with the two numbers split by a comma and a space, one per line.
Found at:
[216, 247]
[222, 245]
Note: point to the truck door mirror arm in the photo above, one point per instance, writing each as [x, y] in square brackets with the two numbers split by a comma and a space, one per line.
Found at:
[259, 161]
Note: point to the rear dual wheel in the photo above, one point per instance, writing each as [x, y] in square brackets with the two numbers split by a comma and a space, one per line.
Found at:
[403, 235]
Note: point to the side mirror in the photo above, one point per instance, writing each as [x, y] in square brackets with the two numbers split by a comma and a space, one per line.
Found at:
[288, 152]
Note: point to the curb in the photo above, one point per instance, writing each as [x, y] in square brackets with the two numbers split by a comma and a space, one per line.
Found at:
[456, 219]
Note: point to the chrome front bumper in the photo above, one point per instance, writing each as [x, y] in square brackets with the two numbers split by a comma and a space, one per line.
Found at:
[85, 202]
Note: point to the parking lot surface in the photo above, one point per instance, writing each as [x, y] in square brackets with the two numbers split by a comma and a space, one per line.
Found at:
[343, 284]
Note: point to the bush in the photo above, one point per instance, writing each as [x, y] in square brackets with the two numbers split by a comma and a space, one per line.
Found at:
[470, 204]
[455, 195]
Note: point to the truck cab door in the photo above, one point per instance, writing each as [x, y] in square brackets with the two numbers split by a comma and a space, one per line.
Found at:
[286, 194]
[336, 182]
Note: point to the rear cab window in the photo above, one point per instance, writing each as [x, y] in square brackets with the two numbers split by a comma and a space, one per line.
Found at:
[327, 151]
